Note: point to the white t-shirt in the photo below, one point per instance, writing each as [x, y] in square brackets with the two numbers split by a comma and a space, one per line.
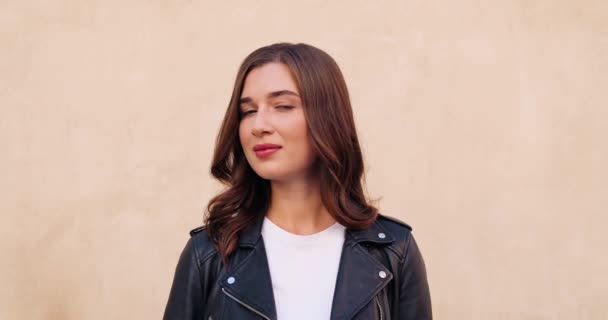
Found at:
[303, 270]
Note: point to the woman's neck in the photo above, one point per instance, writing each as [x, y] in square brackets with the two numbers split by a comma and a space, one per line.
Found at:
[297, 208]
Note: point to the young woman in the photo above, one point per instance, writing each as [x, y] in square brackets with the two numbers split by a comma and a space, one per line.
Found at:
[293, 236]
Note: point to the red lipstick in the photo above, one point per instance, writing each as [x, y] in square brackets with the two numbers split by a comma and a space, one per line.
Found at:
[265, 150]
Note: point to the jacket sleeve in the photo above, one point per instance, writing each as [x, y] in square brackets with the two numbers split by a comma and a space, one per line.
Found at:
[186, 296]
[415, 299]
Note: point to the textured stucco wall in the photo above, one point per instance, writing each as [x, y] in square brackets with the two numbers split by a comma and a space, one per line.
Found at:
[484, 125]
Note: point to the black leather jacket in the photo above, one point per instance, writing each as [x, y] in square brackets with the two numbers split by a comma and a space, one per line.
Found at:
[381, 276]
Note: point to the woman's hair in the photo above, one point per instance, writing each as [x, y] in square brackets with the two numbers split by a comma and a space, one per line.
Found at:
[332, 133]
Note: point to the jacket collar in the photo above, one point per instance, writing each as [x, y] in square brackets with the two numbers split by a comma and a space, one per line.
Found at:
[360, 276]
[250, 236]
[376, 233]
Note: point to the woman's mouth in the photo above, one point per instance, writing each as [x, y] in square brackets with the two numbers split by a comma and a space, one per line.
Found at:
[264, 153]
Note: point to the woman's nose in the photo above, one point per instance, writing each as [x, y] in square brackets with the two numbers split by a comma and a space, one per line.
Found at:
[260, 123]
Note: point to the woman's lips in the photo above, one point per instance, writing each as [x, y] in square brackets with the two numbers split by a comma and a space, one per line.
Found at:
[266, 152]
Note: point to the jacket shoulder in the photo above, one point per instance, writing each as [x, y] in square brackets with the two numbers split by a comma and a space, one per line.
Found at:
[399, 230]
[393, 223]
[203, 245]
[198, 229]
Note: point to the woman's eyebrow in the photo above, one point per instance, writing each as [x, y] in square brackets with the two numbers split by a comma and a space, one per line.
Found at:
[281, 93]
[273, 94]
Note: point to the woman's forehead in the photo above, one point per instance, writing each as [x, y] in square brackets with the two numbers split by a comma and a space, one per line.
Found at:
[270, 78]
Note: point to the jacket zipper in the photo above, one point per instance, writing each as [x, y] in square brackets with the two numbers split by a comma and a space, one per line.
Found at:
[245, 305]
[379, 307]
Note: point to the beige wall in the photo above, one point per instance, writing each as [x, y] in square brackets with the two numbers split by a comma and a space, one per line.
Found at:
[484, 125]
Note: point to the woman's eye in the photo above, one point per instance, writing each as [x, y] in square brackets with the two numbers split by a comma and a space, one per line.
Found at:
[282, 107]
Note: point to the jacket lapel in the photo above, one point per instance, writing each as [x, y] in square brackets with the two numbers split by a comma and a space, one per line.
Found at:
[360, 277]
[249, 281]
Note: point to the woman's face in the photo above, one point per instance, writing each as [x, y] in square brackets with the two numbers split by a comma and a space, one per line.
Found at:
[273, 130]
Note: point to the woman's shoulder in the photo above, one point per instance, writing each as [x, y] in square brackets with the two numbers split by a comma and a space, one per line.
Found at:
[202, 244]
[199, 230]
[398, 231]
[393, 223]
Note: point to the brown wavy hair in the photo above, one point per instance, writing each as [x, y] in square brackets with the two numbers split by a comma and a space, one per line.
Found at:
[332, 133]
